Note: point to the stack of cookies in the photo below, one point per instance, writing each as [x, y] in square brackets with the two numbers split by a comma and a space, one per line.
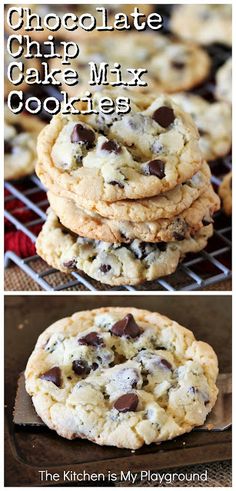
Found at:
[129, 194]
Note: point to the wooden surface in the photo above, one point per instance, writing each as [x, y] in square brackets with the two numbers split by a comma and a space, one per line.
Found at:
[31, 449]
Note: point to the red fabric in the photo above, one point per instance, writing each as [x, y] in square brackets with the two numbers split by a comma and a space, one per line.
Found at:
[19, 243]
[15, 240]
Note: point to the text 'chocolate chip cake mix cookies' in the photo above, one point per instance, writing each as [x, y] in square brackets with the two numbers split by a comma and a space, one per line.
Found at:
[130, 194]
[170, 65]
[121, 376]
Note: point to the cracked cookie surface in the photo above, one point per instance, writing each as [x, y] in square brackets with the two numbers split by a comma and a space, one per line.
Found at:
[114, 264]
[121, 376]
[140, 154]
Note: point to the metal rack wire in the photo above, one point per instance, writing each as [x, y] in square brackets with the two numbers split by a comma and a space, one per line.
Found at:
[196, 271]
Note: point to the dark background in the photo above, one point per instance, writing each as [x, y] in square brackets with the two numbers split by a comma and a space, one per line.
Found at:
[209, 317]
[29, 448]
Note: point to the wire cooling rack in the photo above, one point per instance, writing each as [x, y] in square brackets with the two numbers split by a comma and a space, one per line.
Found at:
[196, 271]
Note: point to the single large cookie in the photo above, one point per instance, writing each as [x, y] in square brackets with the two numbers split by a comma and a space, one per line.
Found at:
[137, 155]
[223, 90]
[214, 123]
[203, 23]
[93, 226]
[225, 192]
[171, 66]
[114, 264]
[165, 205]
[20, 136]
[121, 376]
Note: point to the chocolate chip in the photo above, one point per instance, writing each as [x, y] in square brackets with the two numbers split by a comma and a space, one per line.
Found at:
[142, 250]
[80, 367]
[78, 159]
[91, 339]
[177, 236]
[202, 132]
[116, 183]
[111, 146]
[193, 390]
[145, 381]
[165, 364]
[70, 264]
[53, 375]
[104, 268]
[134, 124]
[94, 366]
[206, 222]
[19, 128]
[124, 236]
[164, 116]
[7, 147]
[203, 395]
[161, 246]
[179, 65]
[127, 402]
[80, 134]
[126, 327]
[156, 168]
[121, 358]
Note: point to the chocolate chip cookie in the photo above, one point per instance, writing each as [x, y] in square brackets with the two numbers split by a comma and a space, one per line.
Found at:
[114, 264]
[203, 23]
[171, 66]
[93, 226]
[214, 123]
[225, 192]
[20, 136]
[135, 155]
[223, 90]
[121, 376]
[166, 205]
